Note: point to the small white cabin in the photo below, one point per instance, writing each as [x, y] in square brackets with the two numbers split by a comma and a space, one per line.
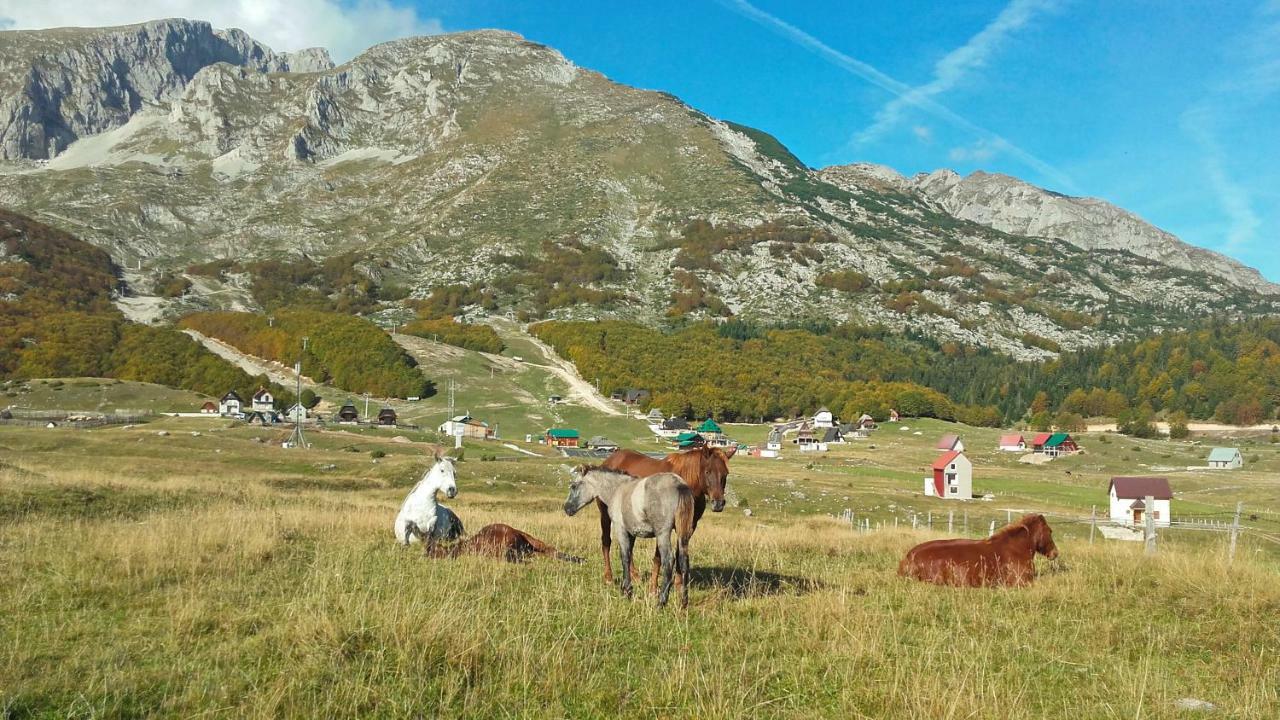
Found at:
[1128, 500]
[263, 401]
[1225, 458]
[1013, 442]
[824, 418]
[229, 405]
[952, 477]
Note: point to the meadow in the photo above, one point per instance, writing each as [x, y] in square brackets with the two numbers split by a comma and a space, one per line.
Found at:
[207, 572]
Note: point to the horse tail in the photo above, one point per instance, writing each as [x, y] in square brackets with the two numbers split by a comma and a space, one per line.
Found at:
[684, 513]
[569, 558]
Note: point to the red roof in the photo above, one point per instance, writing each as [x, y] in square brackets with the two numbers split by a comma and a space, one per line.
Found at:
[1139, 487]
[946, 459]
[1041, 439]
[1013, 439]
[948, 442]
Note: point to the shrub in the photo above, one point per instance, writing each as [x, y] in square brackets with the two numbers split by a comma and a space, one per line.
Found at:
[378, 454]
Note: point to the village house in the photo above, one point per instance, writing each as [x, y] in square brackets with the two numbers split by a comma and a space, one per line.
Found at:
[689, 439]
[263, 401]
[808, 440]
[1054, 444]
[230, 405]
[600, 442]
[1225, 458]
[655, 415]
[255, 417]
[470, 427]
[347, 414]
[1128, 500]
[833, 435]
[209, 408]
[562, 437]
[1013, 442]
[952, 477]
[296, 413]
[387, 417]
[774, 442]
[950, 443]
[824, 418]
[635, 396]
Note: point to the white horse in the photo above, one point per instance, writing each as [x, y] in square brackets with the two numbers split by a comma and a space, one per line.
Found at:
[421, 518]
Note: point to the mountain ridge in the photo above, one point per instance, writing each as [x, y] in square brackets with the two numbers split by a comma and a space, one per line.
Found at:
[487, 161]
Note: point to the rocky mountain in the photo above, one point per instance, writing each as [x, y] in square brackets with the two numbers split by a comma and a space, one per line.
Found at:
[57, 86]
[1013, 206]
[485, 161]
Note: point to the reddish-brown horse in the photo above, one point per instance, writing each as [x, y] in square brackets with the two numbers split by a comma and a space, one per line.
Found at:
[1005, 558]
[705, 470]
[502, 542]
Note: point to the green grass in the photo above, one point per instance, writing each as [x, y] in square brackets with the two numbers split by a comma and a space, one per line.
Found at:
[207, 571]
[103, 395]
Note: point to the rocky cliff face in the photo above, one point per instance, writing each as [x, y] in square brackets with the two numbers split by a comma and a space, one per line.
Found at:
[57, 86]
[472, 158]
[1011, 205]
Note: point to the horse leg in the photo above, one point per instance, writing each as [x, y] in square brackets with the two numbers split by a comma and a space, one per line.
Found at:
[664, 552]
[657, 569]
[410, 529]
[626, 543]
[606, 537]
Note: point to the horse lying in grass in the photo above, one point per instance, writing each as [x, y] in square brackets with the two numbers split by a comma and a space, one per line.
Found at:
[421, 518]
[705, 470]
[652, 506]
[502, 542]
[1005, 558]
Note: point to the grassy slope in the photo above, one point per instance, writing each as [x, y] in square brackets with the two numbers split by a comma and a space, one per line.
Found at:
[260, 581]
[99, 395]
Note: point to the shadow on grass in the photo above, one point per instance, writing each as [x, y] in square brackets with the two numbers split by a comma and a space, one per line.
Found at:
[747, 583]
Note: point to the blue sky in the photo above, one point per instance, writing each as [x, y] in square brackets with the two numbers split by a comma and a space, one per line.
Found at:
[1168, 109]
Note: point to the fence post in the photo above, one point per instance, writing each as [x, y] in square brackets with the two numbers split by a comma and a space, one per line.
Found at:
[1235, 532]
[966, 522]
[930, 519]
[1008, 516]
[1149, 520]
[915, 521]
[992, 531]
[1093, 522]
[951, 515]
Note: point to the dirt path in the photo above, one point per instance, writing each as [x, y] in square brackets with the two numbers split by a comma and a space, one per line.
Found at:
[1208, 427]
[249, 363]
[580, 389]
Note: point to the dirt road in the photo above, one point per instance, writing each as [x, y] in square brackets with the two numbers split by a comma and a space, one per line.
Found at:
[249, 363]
[579, 389]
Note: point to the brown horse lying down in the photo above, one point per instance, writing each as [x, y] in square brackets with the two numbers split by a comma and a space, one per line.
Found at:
[1005, 558]
[502, 542]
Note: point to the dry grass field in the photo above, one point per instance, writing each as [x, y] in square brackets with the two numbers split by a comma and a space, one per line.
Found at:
[214, 575]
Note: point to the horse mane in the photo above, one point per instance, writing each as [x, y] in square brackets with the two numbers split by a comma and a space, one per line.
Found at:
[692, 460]
[1023, 523]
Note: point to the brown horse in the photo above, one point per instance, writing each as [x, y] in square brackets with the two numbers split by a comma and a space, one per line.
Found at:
[1005, 558]
[502, 542]
[705, 470]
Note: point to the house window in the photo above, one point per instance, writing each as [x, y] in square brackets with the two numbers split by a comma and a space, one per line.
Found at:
[1155, 514]
[954, 490]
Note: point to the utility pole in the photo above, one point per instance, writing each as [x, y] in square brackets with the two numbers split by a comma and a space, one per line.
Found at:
[1149, 519]
[296, 439]
[1093, 522]
[366, 405]
[1235, 532]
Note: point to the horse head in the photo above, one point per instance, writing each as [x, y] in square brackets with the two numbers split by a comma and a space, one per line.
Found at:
[443, 475]
[581, 493]
[1041, 536]
[715, 475]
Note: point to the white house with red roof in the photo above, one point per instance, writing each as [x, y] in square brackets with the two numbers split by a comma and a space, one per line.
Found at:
[950, 443]
[952, 477]
[1128, 500]
[1013, 442]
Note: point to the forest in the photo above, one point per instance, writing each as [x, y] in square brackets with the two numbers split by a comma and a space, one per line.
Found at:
[349, 352]
[57, 320]
[1223, 370]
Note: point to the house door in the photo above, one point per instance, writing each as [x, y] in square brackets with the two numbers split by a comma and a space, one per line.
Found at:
[1137, 516]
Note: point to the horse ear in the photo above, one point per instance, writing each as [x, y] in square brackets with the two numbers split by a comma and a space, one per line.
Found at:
[439, 453]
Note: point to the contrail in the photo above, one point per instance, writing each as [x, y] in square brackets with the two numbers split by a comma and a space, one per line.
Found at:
[952, 68]
[900, 89]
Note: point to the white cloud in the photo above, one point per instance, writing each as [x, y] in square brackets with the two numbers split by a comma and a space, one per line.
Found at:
[980, 151]
[955, 65]
[899, 89]
[1254, 79]
[344, 28]
[922, 133]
